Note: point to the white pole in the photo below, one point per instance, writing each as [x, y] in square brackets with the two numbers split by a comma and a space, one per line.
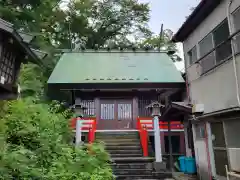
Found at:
[79, 132]
[157, 140]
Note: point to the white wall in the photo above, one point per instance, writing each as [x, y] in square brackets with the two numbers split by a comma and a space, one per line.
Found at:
[201, 156]
[216, 89]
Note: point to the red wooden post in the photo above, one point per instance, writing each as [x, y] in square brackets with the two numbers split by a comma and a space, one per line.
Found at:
[145, 141]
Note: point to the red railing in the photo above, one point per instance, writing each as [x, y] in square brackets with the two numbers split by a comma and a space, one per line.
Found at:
[88, 124]
[148, 122]
[91, 133]
[145, 124]
[143, 133]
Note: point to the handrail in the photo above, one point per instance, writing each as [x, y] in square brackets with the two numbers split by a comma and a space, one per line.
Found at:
[143, 133]
[87, 124]
[91, 132]
[175, 125]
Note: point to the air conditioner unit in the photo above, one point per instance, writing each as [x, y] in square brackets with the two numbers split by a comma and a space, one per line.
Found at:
[234, 159]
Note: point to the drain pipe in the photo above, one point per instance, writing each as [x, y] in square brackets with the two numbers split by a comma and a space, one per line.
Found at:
[233, 49]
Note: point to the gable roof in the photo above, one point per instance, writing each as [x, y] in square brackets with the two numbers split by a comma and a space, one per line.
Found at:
[115, 67]
[200, 13]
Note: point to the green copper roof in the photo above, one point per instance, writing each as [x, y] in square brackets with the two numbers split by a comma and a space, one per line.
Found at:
[115, 67]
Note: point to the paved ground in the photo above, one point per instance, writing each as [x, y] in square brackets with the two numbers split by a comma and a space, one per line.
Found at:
[182, 176]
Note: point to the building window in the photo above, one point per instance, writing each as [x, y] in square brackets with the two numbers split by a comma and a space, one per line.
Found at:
[205, 46]
[90, 105]
[220, 35]
[192, 55]
[200, 131]
[124, 111]
[211, 41]
[7, 63]
[107, 112]
[236, 20]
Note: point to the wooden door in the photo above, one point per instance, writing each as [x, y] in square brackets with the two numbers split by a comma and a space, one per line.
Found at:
[124, 114]
[115, 114]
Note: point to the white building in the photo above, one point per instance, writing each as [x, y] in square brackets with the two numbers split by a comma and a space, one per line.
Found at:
[211, 42]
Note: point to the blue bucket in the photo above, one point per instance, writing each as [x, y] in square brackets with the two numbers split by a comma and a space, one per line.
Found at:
[190, 165]
[182, 163]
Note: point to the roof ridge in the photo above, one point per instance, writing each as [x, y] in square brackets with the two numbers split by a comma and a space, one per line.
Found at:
[112, 51]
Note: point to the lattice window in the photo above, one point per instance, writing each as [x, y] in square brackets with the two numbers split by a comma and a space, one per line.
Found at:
[7, 64]
[107, 111]
[124, 111]
[142, 103]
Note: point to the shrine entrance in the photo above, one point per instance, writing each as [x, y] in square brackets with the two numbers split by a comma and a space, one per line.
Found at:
[115, 114]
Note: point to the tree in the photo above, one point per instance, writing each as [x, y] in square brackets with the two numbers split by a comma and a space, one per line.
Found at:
[91, 21]
[36, 144]
[163, 43]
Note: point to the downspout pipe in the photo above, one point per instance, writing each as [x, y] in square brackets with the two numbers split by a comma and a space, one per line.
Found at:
[231, 31]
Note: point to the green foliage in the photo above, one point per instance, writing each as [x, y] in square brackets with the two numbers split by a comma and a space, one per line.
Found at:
[163, 43]
[90, 21]
[36, 144]
[31, 80]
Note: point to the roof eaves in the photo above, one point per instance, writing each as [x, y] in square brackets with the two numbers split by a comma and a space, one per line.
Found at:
[27, 38]
[40, 54]
[26, 47]
[21, 38]
[6, 26]
[200, 13]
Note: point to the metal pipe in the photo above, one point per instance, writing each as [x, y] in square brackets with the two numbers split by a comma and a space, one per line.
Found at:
[233, 49]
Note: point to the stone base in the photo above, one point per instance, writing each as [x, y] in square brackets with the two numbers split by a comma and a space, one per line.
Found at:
[159, 166]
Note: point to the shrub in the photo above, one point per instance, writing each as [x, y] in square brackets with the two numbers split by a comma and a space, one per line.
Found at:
[36, 144]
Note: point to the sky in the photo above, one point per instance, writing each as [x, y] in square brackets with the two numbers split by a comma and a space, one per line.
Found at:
[172, 14]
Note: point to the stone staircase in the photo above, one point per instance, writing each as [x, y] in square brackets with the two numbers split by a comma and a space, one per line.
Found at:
[127, 157]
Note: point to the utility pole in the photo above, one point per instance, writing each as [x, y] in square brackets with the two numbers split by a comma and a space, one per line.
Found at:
[160, 38]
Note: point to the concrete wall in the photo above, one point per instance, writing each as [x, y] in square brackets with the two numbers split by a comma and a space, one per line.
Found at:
[216, 89]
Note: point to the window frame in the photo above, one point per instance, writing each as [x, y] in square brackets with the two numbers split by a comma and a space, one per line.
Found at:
[218, 61]
[211, 51]
[236, 44]
[190, 59]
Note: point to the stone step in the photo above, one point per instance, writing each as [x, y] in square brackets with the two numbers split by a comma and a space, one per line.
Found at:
[126, 151]
[129, 147]
[132, 165]
[117, 133]
[127, 138]
[132, 160]
[119, 140]
[159, 176]
[134, 143]
[126, 155]
[139, 172]
[116, 137]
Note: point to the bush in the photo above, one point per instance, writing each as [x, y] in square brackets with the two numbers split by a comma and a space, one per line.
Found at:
[36, 143]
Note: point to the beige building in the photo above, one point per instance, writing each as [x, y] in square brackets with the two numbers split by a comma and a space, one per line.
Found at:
[211, 41]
